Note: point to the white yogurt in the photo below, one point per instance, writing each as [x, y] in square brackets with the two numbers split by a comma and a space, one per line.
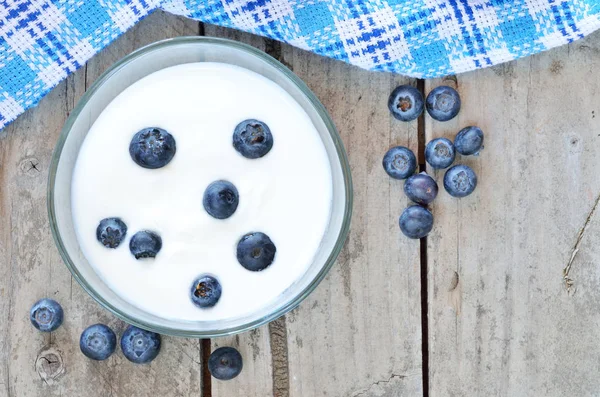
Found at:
[287, 194]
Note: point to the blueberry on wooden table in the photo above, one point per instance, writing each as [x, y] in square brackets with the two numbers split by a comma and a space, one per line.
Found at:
[206, 291]
[469, 141]
[416, 222]
[256, 251]
[225, 363]
[443, 103]
[145, 244]
[98, 342]
[439, 153]
[111, 232]
[140, 346]
[46, 315]
[421, 188]
[460, 180]
[152, 148]
[399, 162]
[221, 199]
[252, 138]
[406, 103]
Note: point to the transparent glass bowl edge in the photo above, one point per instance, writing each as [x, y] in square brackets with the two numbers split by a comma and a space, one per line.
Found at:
[315, 103]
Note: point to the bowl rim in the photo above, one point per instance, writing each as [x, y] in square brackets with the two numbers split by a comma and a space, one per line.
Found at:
[319, 108]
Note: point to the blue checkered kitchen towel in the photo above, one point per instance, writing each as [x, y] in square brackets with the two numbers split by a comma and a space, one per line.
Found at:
[42, 41]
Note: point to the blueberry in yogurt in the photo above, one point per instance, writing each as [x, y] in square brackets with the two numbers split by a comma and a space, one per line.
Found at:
[152, 148]
[221, 199]
[145, 244]
[252, 139]
[140, 346]
[98, 342]
[206, 291]
[111, 232]
[256, 251]
[46, 315]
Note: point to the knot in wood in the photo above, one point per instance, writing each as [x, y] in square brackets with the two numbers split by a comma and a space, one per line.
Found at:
[49, 365]
[30, 166]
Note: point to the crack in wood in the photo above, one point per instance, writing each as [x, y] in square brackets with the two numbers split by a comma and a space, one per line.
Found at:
[274, 49]
[379, 383]
[49, 366]
[453, 282]
[182, 351]
[569, 283]
[34, 166]
[421, 141]
[30, 166]
[108, 383]
[85, 78]
[279, 357]
[205, 376]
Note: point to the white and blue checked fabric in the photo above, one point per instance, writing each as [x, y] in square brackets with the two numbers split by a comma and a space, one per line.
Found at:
[42, 41]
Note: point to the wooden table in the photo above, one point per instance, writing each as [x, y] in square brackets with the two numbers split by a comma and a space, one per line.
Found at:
[482, 307]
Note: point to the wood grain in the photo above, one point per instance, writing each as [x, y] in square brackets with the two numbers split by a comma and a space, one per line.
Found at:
[501, 320]
[37, 364]
[359, 333]
[255, 346]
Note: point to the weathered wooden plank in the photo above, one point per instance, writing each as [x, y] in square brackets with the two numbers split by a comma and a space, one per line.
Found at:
[257, 377]
[509, 327]
[30, 267]
[360, 331]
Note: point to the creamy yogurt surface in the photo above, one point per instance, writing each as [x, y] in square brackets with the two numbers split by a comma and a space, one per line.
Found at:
[286, 194]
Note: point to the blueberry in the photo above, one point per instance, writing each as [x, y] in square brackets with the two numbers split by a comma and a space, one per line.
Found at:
[443, 103]
[152, 148]
[225, 363]
[469, 141]
[111, 231]
[140, 346]
[145, 244]
[255, 251]
[399, 162]
[406, 103]
[46, 315]
[439, 153]
[206, 291]
[460, 181]
[416, 221]
[98, 342]
[221, 199]
[252, 139]
[421, 188]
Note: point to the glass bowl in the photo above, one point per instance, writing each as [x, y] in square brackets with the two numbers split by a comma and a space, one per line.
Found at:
[126, 72]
